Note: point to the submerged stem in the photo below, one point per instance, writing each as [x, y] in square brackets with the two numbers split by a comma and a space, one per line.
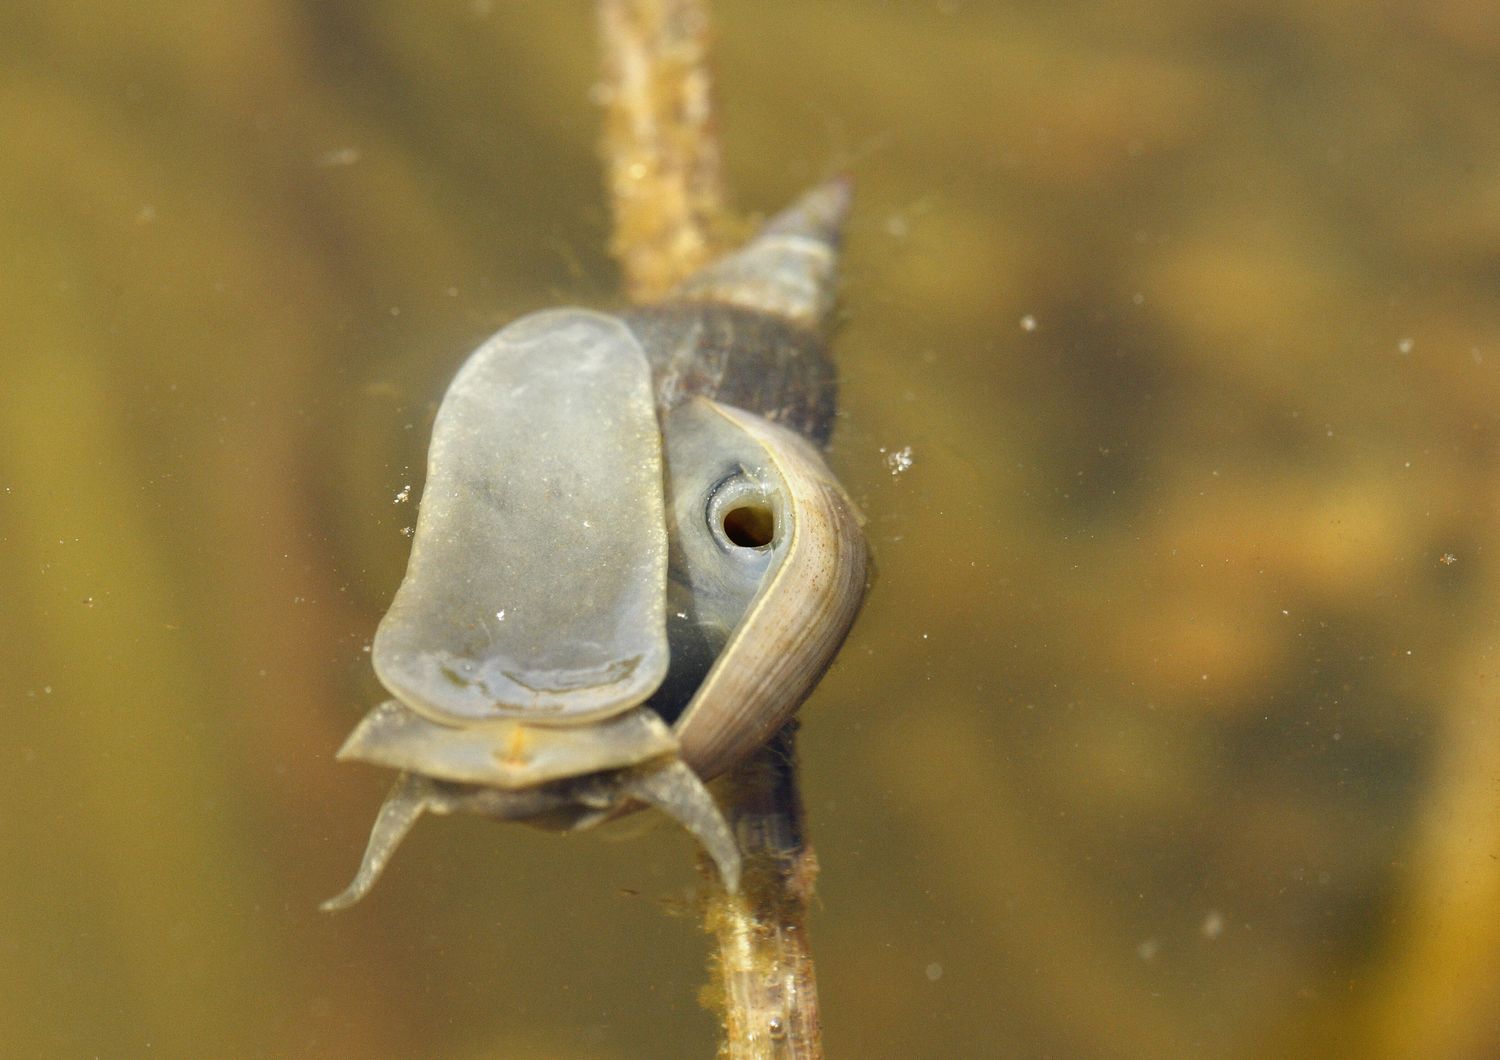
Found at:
[666, 186]
[661, 144]
[765, 975]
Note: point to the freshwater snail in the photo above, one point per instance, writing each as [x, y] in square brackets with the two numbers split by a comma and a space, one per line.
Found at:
[631, 564]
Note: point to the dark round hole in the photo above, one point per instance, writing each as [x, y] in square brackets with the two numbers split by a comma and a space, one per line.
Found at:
[750, 525]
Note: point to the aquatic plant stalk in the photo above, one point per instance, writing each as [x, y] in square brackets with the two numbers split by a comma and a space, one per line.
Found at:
[765, 974]
[666, 187]
[661, 145]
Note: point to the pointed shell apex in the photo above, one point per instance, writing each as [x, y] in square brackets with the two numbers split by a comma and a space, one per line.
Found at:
[790, 269]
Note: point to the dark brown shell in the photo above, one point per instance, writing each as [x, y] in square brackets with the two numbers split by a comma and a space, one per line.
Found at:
[741, 357]
[750, 329]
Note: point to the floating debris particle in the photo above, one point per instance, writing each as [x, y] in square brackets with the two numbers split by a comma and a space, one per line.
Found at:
[1213, 925]
[898, 460]
[339, 156]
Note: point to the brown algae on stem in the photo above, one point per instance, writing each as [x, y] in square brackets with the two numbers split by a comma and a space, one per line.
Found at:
[660, 145]
[763, 974]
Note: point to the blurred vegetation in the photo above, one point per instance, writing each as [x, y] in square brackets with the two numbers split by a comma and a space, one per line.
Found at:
[1170, 728]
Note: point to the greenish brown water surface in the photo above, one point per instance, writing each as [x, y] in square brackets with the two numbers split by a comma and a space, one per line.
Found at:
[1171, 389]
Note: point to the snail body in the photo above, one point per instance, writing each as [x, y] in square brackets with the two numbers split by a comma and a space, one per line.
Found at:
[631, 564]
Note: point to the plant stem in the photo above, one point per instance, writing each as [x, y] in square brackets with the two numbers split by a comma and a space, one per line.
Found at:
[661, 144]
[666, 186]
[765, 970]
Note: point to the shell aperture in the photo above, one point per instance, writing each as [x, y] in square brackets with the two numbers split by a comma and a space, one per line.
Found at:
[804, 606]
[728, 527]
[536, 584]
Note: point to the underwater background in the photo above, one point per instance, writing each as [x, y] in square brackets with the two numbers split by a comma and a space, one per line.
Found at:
[1171, 389]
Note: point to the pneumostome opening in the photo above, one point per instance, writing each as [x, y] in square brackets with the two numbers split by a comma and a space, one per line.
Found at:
[750, 525]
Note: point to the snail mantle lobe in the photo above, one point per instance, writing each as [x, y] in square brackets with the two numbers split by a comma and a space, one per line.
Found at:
[631, 564]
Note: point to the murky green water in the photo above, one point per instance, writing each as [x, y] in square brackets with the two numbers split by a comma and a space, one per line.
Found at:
[1172, 372]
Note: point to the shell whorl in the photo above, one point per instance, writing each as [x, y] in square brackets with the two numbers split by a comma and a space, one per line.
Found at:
[790, 269]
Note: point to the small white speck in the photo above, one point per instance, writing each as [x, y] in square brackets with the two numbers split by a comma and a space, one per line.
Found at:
[1148, 949]
[407, 531]
[682, 615]
[145, 215]
[1405, 345]
[933, 971]
[402, 495]
[1447, 559]
[1028, 323]
[1213, 925]
[500, 615]
[1138, 298]
[587, 525]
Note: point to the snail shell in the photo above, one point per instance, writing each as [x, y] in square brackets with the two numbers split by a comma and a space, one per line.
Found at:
[621, 584]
